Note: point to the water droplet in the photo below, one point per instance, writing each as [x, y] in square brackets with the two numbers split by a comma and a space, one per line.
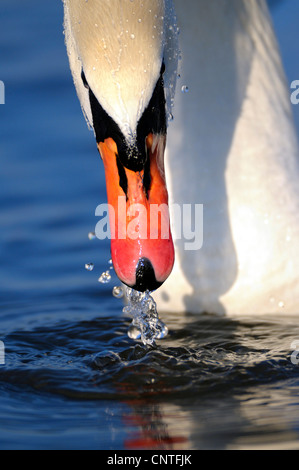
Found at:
[111, 267]
[105, 277]
[134, 332]
[118, 292]
[185, 89]
[132, 36]
[89, 266]
[92, 236]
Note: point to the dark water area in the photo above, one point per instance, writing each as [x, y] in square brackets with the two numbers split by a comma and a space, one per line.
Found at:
[72, 378]
[83, 384]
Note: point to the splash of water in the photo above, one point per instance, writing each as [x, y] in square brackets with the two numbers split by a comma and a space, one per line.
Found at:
[146, 324]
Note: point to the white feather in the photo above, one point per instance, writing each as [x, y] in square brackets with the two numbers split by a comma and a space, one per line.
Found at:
[233, 148]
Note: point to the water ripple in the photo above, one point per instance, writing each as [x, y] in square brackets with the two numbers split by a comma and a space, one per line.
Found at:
[95, 359]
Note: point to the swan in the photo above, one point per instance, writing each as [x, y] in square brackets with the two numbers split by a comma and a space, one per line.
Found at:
[231, 148]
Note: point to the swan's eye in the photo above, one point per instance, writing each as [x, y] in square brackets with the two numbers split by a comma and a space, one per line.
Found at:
[84, 80]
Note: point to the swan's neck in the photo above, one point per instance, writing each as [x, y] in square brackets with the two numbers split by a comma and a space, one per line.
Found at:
[120, 47]
[234, 131]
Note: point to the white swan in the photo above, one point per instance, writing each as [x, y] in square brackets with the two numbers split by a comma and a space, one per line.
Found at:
[231, 147]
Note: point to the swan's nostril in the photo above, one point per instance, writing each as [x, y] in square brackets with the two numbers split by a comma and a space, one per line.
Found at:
[145, 276]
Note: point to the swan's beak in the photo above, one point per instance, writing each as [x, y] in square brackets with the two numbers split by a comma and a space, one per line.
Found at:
[141, 244]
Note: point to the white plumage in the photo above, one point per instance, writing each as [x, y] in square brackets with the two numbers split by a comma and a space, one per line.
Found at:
[120, 45]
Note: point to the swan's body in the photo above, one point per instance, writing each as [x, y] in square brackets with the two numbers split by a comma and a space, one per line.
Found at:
[231, 147]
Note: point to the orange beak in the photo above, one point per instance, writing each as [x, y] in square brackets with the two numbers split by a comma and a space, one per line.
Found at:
[141, 244]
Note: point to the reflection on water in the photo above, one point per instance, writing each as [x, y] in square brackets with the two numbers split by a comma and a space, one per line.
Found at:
[212, 383]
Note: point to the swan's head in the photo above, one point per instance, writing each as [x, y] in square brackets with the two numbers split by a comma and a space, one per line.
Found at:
[120, 57]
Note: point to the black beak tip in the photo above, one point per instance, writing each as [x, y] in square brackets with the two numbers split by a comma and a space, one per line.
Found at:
[145, 276]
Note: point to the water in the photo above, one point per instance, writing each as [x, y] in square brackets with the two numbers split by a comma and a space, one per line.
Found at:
[141, 307]
[146, 324]
[72, 377]
[89, 267]
[80, 382]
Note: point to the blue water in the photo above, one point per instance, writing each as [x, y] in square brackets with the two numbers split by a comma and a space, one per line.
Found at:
[72, 378]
